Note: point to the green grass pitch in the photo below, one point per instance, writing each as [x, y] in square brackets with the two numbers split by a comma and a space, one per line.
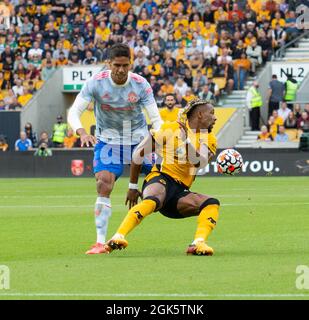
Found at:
[262, 235]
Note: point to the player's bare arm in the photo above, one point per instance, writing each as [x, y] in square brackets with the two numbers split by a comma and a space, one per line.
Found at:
[75, 112]
[144, 148]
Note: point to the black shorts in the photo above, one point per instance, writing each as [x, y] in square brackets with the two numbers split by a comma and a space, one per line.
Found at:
[174, 191]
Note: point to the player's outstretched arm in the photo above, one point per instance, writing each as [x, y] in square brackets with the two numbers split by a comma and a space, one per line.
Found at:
[75, 112]
[144, 148]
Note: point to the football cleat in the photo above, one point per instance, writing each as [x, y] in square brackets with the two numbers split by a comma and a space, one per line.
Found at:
[99, 248]
[117, 244]
[200, 249]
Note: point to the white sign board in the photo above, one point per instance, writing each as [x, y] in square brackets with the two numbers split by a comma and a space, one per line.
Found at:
[73, 78]
[297, 70]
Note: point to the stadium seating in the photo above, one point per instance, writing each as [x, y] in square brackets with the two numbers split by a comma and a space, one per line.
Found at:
[161, 38]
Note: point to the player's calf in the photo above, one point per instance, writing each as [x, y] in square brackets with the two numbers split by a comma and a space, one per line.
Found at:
[206, 222]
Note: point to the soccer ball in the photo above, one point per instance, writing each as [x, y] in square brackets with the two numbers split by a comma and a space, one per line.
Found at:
[229, 161]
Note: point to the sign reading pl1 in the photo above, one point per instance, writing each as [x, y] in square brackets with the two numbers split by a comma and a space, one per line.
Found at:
[73, 78]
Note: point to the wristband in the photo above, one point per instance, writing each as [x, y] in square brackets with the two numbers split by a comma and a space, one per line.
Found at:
[133, 186]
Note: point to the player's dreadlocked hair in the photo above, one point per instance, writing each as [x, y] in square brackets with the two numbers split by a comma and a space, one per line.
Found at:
[119, 50]
[189, 108]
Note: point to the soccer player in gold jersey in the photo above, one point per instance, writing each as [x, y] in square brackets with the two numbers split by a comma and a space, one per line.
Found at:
[182, 148]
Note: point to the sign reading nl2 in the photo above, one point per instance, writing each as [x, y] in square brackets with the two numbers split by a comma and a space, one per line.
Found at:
[297, 70]
[74, 77]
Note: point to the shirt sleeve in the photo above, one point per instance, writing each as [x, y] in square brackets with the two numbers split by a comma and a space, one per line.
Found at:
[147, 96]
[149, 103]
[87, 90]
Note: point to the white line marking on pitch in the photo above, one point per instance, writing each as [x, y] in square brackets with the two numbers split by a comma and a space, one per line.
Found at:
[121, 206]
[176, 295]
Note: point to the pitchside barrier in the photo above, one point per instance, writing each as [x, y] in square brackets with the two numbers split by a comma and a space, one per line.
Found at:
[78, 163]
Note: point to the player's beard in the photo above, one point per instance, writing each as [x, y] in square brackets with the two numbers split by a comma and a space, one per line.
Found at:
[120, 79]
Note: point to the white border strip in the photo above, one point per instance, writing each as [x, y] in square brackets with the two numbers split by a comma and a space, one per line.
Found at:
[170, 295]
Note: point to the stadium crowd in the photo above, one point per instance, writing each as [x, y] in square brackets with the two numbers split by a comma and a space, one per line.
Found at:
[285, 124]
[188, 48]
[286, 120]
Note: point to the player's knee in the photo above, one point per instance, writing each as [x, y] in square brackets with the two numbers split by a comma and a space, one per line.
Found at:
[156, 200]
[208, 202]
[104, 185]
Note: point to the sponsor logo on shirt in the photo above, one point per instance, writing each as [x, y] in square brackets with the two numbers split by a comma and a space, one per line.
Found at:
[132, 97]
[106, 96]
[107, 107]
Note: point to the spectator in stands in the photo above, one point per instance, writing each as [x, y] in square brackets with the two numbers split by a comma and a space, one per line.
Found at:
[229, 76]
[14, 104]
[279, 37]
[303, 122]
[210, 51]
[2, 105]
[275, 94]
[283, 111]
[265, 135]
[274, 122]
[25, 97]
[254, 53]
[200, 79]
[281, 136]
[4, 85]
[167, 87]
[180, 86]
[48, 70]
[291, 28]
[43, 151]
[62, 60]
[297, 110]
[188, 79]
[23, 143]
[3, 144]
[272, 127]
[31, 87]
[189, 95]
[141, 47]
[291, 121]
[35, 51]
[70, 139]
[213, 87]
[59, 132]
[241, 69]
[32, 72]
[206, 94]
[18, 88]
[44, 138]
[307, 108]
[265, 42]
[90, 59]
[30, 134]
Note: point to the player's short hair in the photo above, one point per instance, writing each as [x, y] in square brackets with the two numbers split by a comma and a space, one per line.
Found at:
[119, 50]
[191, 106]
[169, 95]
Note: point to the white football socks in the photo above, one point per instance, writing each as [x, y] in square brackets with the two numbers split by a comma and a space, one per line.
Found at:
[103, 210]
